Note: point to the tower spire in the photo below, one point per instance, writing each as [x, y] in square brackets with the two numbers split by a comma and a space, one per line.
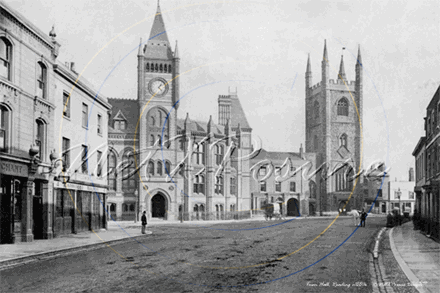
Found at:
[308, 70]
[140, 48]
[359, 58]
[325, 55]
[176, 51]
[341, 74]
[158, 31]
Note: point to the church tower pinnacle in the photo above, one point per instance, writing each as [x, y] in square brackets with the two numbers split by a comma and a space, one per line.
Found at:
[341, 74]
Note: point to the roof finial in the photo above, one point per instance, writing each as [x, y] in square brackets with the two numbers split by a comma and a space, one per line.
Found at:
[52, 32]
[341, 74]
[359, 58]
[176, 51]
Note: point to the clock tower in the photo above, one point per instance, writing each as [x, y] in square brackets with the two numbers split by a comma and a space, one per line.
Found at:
[158, 93]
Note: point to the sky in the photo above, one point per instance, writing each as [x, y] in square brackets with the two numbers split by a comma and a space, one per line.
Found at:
[260, 48]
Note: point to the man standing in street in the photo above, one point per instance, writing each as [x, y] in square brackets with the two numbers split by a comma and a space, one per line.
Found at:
[144, 222]
[363, 218]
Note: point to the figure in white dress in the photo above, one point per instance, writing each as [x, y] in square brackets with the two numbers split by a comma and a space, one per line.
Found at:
[355, 214]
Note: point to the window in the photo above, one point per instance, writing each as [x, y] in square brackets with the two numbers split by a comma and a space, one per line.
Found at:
[199, 184]
[111, 171]
[312, 189]
[182, 169]
[152, 121]
[233, 185]
[40, 139]
[5, 58]
[151, 168]
[113, 207]
[316, 109]
[219, 185]
[411, 195]
[292, 186]
[66, 105]
[343, 140]
[159, 168]
[85, 115]
[66, 154]
[99, 124]
[4, 128]
[151, 140]
[262, 171]
[379, 193]
[219, 151]
[181, 144]
[263, 186]
[98, 158]
[128, 178]
[41, 80]
[278, 186]
[343, 107]
[84, 165]
[122, 125]
[199, 154]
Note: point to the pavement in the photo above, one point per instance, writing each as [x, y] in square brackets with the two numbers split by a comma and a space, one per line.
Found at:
[417, 255]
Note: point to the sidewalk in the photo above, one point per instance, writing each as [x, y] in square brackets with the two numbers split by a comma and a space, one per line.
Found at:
[117, 232]
[418, 256]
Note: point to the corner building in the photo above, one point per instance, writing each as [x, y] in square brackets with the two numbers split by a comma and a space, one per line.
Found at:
[170, 166]
[333, 131]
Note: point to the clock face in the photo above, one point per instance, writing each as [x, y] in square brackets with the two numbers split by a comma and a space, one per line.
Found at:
[157, 87]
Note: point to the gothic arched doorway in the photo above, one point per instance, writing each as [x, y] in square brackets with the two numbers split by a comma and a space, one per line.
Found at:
[158, 206]
[312, 210]
[293, 207]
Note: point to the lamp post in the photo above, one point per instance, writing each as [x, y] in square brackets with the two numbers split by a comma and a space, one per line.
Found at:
[399, 193]
[136, 194]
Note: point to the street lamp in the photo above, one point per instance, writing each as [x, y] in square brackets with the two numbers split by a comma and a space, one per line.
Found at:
[398, 194]
[136, 194]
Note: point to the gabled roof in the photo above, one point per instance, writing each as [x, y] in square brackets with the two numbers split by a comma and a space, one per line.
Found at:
[128, 109]
[276, 156]
[199, 126]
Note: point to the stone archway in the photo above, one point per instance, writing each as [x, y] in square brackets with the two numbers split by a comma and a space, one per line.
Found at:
[158, 206]
[293, 207]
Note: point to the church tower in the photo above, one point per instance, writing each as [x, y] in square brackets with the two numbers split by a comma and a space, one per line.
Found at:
[333, 132]
[158, 93]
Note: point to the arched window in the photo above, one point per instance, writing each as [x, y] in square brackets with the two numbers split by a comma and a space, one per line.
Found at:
[196, 208]
[151, 140]
[316, 109]
[343, 140]
[182, 169]
[219, 184]
[132, 208]
[160, 68]
[199, 184]
[159, 138]
[156, 68]
[219, 152]
[159, 168]
[151, 168]
[169, 68]
[5, 58]
[233, 186]
[124, 207]
[312, 189]
[199, 153]
[111, 170]
[128, 182]
[167, 167]
[5, 128]
[41, 80]
[152, 121]
[112, 207]
[40, 139]
[343, 107]
[148, 67]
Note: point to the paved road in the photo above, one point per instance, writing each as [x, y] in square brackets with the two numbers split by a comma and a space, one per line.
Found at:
[197, 259]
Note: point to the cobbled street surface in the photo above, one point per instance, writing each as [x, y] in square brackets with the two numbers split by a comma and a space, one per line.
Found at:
[215, 258]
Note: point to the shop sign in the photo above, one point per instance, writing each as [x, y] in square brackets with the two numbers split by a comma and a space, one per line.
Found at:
[14, 169]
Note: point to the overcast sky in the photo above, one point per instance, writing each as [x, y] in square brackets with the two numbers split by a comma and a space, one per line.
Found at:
[261, 48]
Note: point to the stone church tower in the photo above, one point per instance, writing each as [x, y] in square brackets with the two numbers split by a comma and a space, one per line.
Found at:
[333, 131]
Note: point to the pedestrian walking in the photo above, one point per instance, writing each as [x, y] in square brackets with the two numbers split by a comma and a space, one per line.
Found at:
[363, 218]
[355, 217]
[144, 222]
